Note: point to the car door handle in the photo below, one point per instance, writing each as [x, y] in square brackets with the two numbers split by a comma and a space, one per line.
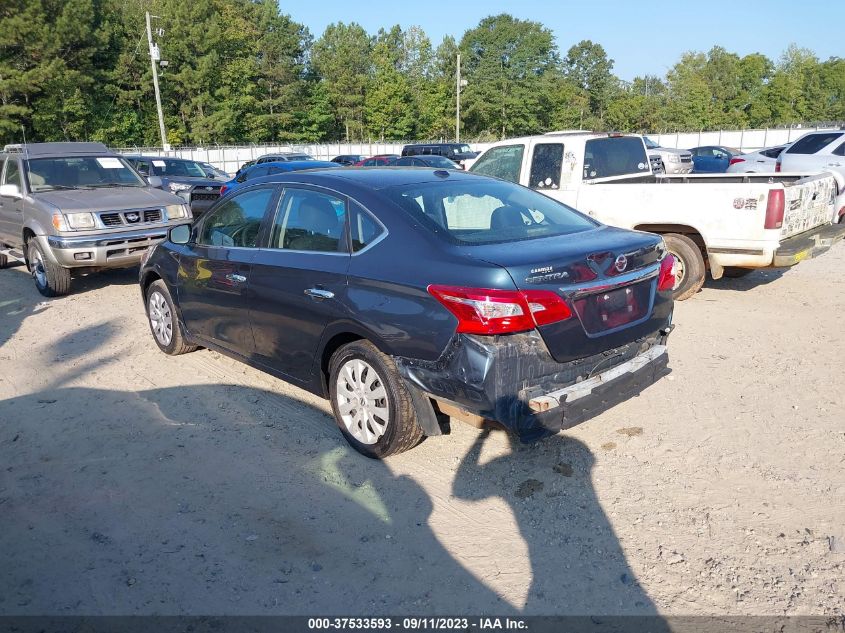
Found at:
[319, 293]
[834, 165]
[238, 279]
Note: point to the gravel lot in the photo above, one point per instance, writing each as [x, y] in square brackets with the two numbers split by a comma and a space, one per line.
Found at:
[131, 482]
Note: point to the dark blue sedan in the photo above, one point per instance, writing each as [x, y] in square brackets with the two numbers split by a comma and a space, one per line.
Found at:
[406, 296]
[712, 159]
[268, 169]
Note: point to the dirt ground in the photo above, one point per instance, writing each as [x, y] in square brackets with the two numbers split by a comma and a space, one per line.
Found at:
[132, 483]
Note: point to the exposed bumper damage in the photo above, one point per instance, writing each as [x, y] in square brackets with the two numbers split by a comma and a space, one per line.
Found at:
[808, 245]
[514, 380]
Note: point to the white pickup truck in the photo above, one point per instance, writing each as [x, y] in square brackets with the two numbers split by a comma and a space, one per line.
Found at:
[728, 224]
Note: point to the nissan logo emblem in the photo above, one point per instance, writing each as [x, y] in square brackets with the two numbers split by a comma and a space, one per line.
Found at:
[621, 263]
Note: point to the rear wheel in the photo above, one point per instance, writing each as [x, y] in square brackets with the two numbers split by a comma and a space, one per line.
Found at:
[164, 323]
[50, 279]
[689, 269]
[734, 273]
[371, 404]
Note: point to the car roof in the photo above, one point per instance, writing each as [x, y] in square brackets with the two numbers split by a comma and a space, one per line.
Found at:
[142, 157]
[373, 178]
[32, 150]
[293, 164]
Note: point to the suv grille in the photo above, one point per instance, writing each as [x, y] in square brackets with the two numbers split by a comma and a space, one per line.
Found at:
[110, 219]
[131, 217]
[152, 215]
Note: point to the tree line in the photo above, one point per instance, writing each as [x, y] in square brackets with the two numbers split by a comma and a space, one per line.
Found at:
[241, 71]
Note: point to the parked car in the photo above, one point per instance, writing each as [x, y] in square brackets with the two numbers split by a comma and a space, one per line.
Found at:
[762, 161]
[712, 159]
[438, 162]
[379, 160]
[815, 151]
[315, 277]
[712, 223]
[213, 172]
[76, 208]
[282, 157]
[347, 159]
[666, 160]
[457, 152]
[186, 178]
[269, 169]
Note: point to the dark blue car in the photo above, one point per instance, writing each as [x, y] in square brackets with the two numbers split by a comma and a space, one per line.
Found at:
[269, 169]
[712, 159]
[406, 296]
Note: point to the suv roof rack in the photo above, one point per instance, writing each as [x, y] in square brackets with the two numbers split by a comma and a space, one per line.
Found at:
[14, 148]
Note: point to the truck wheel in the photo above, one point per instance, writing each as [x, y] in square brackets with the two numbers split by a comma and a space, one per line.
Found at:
[735, 273]
[689, 268]
[50, 279]
[164, 324]
[371, 404]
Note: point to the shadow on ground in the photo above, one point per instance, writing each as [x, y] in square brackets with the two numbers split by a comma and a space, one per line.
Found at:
[220, 499]
[752, 280]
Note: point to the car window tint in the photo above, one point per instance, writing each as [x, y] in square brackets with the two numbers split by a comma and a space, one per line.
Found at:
[614, 156]
[772, 153]
[13, 173]
[235, 223]
[812, 143]
[501, 162]
[840, 151]
[309, 221]
[363, 228]
[546, 165]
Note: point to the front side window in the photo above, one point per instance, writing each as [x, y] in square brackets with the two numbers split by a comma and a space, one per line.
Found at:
[614, 156]
[81, 172]
[813, 143]
[503, 162]
[546, 165]
[309, 221]
[13, 173]
[487, 212]
[236, 222]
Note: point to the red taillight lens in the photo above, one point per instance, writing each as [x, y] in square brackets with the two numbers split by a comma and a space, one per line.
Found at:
[774, 209]
[223, 190]
[734, 161]
[777, 167]
[488, 311]
[666, 278]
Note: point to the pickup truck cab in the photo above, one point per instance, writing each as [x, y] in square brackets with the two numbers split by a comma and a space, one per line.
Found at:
[728, 224]
[75, 208]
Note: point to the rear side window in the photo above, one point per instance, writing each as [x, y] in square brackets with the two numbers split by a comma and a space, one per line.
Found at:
[236, 222]
[310, 221]
[813, 143]
[503, 162]
[546, 165]
[772, 153]
[363, 228]
[614, 156]
[840, 151]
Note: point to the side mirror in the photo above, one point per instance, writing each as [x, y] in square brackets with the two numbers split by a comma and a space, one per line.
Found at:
[180, 234]
[155, 181]
[11, 191]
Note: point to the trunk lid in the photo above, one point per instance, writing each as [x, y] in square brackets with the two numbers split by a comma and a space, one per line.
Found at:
[608, 276]
[808, 203]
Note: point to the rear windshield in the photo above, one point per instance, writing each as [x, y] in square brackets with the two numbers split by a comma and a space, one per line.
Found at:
[487, 211]
[80, 172]
[614, 156]
[812, 143]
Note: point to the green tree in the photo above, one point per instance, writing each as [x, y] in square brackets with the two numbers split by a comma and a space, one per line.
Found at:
[587, 66]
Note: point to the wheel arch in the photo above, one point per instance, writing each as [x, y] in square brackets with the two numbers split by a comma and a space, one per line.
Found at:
[336, 337]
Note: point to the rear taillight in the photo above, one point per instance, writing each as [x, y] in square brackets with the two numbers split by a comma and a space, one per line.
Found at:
[734, 161]
[666, 278]
[777, 167]
[223, 190]
[488, 311]
[774, 209]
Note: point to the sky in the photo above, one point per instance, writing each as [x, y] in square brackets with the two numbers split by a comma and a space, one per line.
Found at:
[643, 37]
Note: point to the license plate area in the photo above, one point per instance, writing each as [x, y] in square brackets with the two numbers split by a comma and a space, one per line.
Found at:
[603, 312]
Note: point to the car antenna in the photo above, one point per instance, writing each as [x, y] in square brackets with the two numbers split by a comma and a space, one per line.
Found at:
[25, 149]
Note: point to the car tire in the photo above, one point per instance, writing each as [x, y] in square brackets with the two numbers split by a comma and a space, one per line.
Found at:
[690, 265]
[4, 261]
[378, 427]
[50, 279]
[164, 322]
[733, 272]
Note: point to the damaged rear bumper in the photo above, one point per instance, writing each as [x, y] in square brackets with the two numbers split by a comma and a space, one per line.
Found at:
[514, 381]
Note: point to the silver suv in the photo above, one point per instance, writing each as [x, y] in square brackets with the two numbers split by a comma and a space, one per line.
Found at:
[76, 208]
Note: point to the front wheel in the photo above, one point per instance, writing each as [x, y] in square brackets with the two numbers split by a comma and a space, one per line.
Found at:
[689, 269]
[164, 324]
[371, 404]
[50, 279]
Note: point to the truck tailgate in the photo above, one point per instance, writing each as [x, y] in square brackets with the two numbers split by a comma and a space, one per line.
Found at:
[809, 203]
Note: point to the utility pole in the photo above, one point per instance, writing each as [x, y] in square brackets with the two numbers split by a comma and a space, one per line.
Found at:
[154, 57]
[458, 102]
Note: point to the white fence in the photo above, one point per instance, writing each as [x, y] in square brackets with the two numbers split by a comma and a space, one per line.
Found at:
[230, 158]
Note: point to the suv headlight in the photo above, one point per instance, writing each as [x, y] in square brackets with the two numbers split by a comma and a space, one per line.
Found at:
[178, 186]
[674, 158]
[80, 221]
[177, 211]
